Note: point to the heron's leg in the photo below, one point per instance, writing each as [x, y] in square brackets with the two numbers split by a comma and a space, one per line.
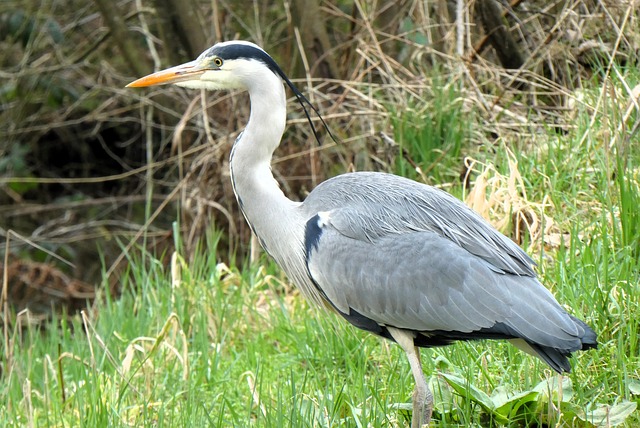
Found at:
[422, 397]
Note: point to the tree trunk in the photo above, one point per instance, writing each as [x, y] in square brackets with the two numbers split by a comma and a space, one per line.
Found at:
[309, 19]
[180, 29]
[120, 34]
[497, 30]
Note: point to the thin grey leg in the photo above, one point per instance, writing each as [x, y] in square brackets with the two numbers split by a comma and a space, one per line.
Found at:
[422, 397]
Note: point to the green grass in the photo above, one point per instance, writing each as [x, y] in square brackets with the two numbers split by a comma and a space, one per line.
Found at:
[200, 344]
[192, 355]
[431, 133]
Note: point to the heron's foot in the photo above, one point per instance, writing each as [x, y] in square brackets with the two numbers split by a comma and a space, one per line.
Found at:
[422, 406]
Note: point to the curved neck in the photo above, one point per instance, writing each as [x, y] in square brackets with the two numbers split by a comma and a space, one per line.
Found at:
[278, 222]
[267, 210]
[263, 132]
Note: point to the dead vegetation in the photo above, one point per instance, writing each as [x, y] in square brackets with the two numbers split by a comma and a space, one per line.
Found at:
[90, 170]
[40, 288]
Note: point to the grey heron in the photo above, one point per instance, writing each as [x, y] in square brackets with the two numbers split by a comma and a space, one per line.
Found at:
[400, 259]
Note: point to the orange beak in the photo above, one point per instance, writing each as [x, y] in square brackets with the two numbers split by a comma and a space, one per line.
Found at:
[180, 73]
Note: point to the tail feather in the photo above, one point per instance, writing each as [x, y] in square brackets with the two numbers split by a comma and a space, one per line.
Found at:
[557, 358]
[589, 338]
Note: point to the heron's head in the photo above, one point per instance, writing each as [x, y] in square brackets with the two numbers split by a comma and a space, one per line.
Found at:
[230, 65]
[226, 65]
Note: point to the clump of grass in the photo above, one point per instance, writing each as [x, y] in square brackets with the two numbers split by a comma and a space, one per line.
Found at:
[194, 345]
[431, 134]
[629, 203]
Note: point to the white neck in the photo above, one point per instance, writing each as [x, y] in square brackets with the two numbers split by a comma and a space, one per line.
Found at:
[269, 212]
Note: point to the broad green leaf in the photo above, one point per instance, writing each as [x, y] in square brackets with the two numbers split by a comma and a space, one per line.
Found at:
[443, 400]
[606, 416]
[634, 386]
[549, 388]
[466, 390]
[514, 406]
[569, 414]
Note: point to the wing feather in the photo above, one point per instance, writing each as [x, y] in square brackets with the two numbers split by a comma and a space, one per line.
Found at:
[387, 251]
[368, 206]
[423, 281]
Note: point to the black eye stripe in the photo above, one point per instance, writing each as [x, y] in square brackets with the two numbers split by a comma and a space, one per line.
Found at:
[237, 51]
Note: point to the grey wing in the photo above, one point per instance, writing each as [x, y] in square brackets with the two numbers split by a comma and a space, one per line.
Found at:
[372, 205]
[425, 282]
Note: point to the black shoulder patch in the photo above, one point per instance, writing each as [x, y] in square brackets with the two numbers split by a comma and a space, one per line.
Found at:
[312, 234]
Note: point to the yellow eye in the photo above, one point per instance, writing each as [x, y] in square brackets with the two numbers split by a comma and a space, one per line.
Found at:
[217, 61]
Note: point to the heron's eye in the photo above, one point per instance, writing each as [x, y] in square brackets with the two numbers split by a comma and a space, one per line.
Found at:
[217, 61]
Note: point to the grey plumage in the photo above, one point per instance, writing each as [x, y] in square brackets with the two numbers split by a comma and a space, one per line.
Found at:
[433, 266]
[392, 256]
